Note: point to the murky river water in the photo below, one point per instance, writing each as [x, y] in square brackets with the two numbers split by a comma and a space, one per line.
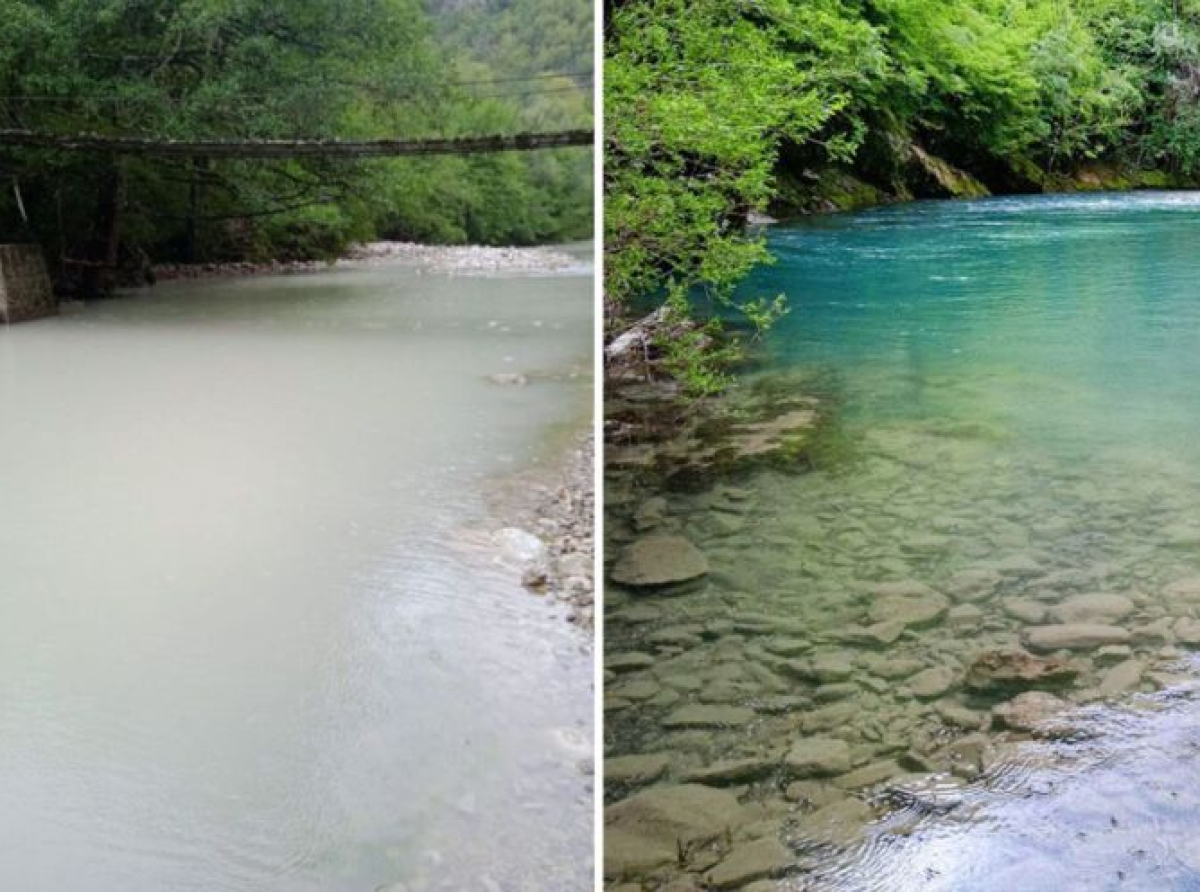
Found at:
[1003, 498]
[243, 645]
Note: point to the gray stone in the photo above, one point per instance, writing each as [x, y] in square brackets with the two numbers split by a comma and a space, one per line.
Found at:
[1074, 636]
[817, 757]
[648, 830]
[700, 716]
[1121, 678]
[1028, 711]
[827, 717]
[637, 768]
[659, 559]
[1016, 669]
[734, 771]
[838, 823]
[869, 775]
[750, 861]
[910, 611]
[1095, 608]
[625, 662]
[1187, 631]
[1025, 609]
[933, 682]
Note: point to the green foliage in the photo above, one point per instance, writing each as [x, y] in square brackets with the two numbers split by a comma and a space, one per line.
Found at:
[708, 103]
[698, 97]
[266, 69]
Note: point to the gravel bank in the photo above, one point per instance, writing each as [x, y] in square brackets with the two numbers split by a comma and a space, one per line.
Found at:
[439, 258]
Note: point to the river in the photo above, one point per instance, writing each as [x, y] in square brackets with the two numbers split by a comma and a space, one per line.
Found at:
[1002, 496]
[249, 639]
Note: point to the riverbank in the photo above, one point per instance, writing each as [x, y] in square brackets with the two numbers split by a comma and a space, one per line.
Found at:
[435, 258]
[550, 538]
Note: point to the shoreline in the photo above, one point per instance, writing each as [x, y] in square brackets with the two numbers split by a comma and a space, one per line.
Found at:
[549, 536]
[462, 259]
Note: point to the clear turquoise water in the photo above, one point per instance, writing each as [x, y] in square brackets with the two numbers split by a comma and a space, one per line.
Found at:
[1072, 321]
[1013, 390]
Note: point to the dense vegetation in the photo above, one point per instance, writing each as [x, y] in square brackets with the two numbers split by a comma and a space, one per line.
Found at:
[247, 69]
[717, 110]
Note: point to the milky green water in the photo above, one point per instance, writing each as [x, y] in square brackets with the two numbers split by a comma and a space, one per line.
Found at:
[249, 637]
[1012, 388]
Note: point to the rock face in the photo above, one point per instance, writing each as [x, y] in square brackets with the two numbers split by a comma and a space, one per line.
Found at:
[659, 559]
[1074, 636]
[1018, 670]
[1028, 711]
[818, 756]
[650, 829]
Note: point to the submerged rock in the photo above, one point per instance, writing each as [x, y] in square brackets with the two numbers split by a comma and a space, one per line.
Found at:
[700, 716]
[1074, 636]
[1016, 669]
[659, 559]
[910, 611]
[638, 768]
[1122, 677]
[735, 771]
[1096, 608]
[933, 682]
[838, 823]
[817, 757]
[749, 861]
[659, 826]
[1029, 711]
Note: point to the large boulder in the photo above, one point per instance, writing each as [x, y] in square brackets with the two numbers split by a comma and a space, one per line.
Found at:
[650, 829]
[659, 559]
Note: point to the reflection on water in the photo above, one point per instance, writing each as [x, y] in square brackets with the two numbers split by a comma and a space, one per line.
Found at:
[241, 646]
[1112, 807]
[1006, 500]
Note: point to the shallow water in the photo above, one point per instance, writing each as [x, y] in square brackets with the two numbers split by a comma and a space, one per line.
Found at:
[247, 641]
[1011, 390]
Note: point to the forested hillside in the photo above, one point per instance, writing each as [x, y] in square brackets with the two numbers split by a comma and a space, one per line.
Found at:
[248, 69]
[716, 110]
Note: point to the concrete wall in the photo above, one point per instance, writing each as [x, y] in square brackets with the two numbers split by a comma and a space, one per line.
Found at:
[25, 291]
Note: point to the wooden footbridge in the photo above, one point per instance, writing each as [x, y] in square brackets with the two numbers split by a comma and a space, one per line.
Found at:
[294, 148]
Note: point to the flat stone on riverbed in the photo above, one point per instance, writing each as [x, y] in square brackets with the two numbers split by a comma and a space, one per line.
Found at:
[1017, 669]
[649, 829]
[1074, 636]
[1028, 711]
[748, 862]
[817, 757]
[909, 611]
[1096, 608]
[933, 682]
[734, 771]
[639, 768]
[659, 559]
[700, 716]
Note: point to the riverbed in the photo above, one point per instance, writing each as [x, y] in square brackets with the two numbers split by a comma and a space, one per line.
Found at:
[994, 525]
[253, 635]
